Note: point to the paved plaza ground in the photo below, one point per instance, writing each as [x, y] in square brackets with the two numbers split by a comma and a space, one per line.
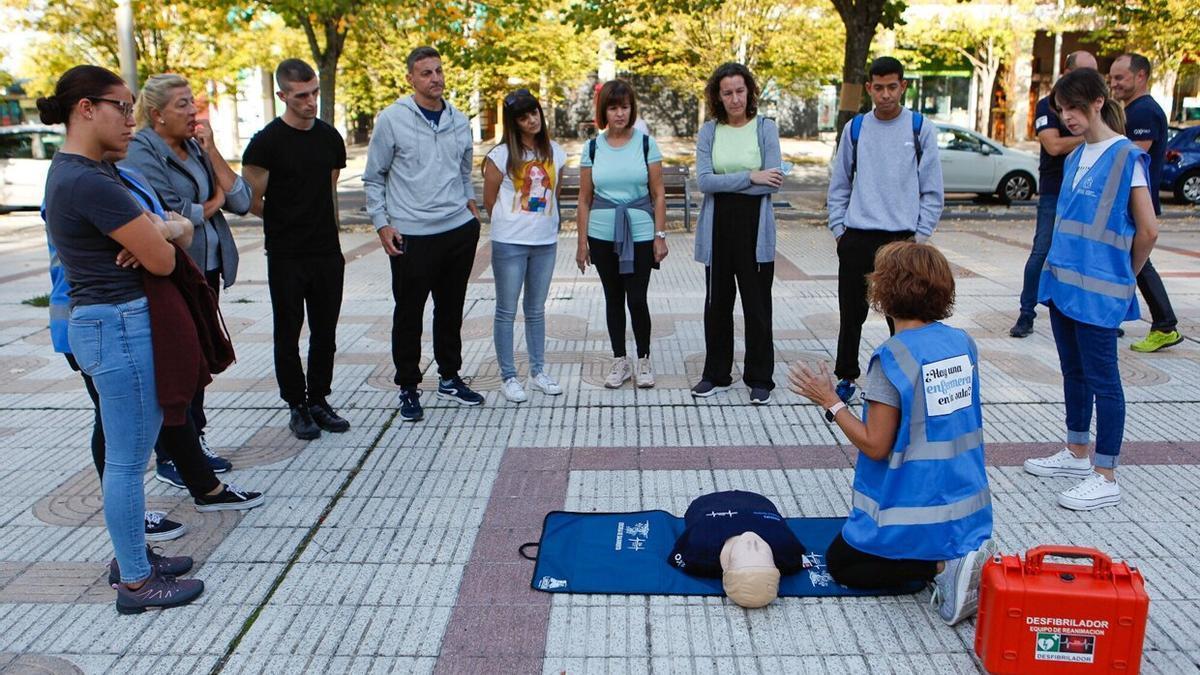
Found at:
[393, 548]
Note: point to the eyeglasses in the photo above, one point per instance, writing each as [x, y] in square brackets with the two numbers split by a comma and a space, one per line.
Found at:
[511, 99]
[125, 107]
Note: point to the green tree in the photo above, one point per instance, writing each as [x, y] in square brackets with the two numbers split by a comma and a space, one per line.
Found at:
[1165, 31]
[861, 18]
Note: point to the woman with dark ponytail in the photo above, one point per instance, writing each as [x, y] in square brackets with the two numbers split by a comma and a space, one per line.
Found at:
[105, 240]
[1105, 231]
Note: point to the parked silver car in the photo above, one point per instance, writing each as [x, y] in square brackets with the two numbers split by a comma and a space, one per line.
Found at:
[974, 163]
[25, 152]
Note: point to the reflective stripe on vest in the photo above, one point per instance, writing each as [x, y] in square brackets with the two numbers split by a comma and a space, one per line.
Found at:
[922, 515]
[1098, 229]
[1092, 284]
[919, 447]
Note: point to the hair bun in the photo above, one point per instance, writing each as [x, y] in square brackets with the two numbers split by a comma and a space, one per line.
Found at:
[49, 110]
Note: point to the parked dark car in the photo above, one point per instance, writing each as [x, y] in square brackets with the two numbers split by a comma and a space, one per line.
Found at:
[1181, 171]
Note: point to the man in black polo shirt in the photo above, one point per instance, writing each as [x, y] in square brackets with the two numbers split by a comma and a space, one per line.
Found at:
[1056, 142]
[292, 165]
[1146, 125]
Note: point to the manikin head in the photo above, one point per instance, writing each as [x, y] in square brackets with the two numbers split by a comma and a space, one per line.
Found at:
[750, 577]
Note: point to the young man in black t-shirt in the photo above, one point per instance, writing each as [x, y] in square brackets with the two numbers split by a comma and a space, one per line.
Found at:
[292, 165]
[1146, 125]
[1057, 142]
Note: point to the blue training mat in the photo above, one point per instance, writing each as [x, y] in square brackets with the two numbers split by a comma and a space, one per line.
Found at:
[626, 554]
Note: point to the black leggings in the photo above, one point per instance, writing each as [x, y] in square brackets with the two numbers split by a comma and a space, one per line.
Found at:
[182, 443]
[856, 569]
[621, 289]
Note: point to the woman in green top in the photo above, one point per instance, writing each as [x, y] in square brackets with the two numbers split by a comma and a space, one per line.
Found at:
[737, 169]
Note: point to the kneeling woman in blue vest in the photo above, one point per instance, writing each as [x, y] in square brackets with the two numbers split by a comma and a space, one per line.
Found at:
[921, 509]
[1105, 231]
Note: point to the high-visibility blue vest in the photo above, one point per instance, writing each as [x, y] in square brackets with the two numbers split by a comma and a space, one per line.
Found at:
[60, 302]
[929, 498]
[1088, 274]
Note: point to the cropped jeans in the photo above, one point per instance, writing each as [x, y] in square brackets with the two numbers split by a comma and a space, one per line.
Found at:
[112, 346]
[514, 266]
[1091, 379]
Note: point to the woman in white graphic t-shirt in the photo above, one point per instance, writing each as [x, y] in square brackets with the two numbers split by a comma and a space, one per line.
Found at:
[520, 192]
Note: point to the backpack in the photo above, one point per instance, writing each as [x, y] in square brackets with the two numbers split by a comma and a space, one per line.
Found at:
[645, 150]
[918, 120]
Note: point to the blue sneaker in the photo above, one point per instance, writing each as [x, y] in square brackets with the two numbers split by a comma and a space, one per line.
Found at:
[846, 390]
[454, 389]
[410, 404]
[167, 473]
[217, 463]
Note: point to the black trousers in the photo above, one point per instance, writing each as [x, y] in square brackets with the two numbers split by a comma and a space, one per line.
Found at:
[199, 419]
[181, 445]
[312, 283]
[1162, 315]
[437, 265]
[854, 568]
[621, 290]
[856, 259]
[735, 269]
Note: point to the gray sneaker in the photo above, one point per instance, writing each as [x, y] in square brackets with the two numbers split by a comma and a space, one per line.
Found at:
[956, 588]
[159, 592]
[173, 566]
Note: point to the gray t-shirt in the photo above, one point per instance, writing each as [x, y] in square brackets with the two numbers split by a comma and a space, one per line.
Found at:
[85, 203]
[877, 387]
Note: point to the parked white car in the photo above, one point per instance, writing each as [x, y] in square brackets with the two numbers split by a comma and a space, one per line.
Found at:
[972, 162]
[25, 152]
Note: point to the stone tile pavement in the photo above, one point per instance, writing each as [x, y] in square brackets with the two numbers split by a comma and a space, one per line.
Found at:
[393, 548]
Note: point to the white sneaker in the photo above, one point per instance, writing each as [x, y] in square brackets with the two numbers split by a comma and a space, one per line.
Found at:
[645, 373]
[956, 588]
[513, 390]
[621, 371]
[1093, 492]
[545, 384]
[1060, 464]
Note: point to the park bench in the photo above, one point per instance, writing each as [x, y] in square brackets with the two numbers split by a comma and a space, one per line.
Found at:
[675, 181]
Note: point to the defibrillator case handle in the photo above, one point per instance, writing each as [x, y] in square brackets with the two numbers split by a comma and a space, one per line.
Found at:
[1101, 563]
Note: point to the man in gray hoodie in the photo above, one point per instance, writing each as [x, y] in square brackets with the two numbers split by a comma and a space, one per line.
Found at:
[887, 189]
[422, 202]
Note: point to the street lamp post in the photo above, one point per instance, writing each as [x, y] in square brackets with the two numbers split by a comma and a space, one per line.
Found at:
[126, 50]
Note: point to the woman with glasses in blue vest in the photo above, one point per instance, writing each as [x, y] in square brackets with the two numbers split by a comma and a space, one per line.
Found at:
[1105, 231]
[921, 509]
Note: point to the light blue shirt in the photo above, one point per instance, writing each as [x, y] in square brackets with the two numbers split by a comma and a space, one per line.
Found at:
[621, 175]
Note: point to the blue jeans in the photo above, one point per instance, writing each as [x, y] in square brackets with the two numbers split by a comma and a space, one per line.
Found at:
[1046, 209]
[1088, 356]
[515, 265]
[112, 345]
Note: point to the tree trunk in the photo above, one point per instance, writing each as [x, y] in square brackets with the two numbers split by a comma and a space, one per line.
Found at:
[326, 58]
[328, 78]
[861, 18]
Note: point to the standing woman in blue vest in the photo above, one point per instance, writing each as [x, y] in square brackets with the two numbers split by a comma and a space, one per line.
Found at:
[921, 510]
[1105, 231]
[738, 169]
[622, 220]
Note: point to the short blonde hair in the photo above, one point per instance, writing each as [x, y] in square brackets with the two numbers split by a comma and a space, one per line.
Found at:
[155, 95]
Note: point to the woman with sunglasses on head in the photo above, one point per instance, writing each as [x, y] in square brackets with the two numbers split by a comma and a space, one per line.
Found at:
[105, 240]
[521, 183]
[622, 219]
[177, 155]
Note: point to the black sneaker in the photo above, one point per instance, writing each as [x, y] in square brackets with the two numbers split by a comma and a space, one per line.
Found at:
[706, 388]
[230, 499]
[217, 463]
[327, 418]
[173, 566]
[410, 404]
[454, 389]
[159, 528]
[302, 424]
[159, 592]
[1022, 328]
[760, 395]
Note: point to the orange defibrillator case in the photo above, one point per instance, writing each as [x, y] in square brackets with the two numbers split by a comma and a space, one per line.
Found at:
[1044, 617]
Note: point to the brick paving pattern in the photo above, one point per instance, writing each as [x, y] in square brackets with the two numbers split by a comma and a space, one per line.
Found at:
[393, 548]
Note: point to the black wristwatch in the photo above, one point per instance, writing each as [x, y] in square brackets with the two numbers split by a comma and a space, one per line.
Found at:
[833, 411]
